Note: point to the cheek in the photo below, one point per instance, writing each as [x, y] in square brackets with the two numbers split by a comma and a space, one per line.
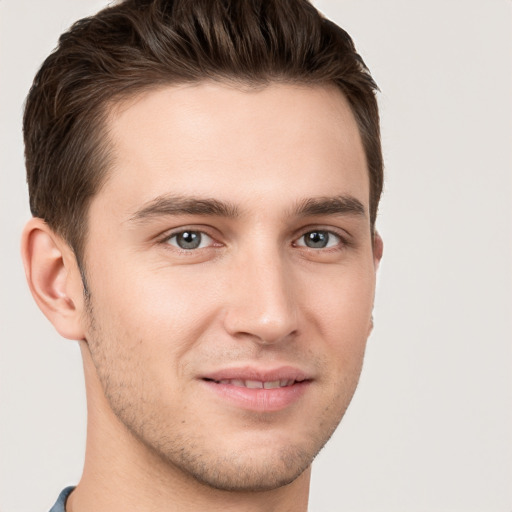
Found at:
[160, 307]
[343, 302]
[154, 310]
[343, 318]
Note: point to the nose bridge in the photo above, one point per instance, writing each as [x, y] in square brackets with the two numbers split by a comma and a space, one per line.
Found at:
[262, 303]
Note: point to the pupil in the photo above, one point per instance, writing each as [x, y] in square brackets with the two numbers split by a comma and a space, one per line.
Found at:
[189, 240]
[317, 239]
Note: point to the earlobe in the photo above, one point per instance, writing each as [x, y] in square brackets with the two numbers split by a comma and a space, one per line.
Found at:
[53, 278]
[370, 328]
[378, 249]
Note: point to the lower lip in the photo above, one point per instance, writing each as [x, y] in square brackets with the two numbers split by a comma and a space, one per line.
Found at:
[259, 400]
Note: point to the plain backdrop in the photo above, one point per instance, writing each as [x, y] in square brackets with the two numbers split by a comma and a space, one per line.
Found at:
[430, 427]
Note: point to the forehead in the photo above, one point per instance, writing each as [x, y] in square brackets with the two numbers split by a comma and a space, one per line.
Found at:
[212, 139]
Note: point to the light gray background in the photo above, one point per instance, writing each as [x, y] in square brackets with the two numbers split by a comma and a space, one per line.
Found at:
[430, 428]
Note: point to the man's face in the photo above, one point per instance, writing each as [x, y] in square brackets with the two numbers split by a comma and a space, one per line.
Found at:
[231, 274]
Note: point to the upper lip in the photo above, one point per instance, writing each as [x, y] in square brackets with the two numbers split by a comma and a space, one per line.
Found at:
[254, 373]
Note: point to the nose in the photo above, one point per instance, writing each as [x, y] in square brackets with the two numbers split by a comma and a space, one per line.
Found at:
[262, 302]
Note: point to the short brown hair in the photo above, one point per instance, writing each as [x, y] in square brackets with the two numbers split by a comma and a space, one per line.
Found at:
[139, 44]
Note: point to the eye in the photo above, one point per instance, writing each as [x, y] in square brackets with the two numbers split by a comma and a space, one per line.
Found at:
[318, 239]
[189, 240]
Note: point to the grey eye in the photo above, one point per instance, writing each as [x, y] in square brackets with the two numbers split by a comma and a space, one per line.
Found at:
[318, 239]
[189, 240]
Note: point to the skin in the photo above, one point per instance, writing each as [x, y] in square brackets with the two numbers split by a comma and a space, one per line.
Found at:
[159, 318]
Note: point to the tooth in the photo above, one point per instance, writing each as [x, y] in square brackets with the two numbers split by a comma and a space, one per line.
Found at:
[271, 384]
[237, 382]
[254, 384]
[225, 381]
[283, 383]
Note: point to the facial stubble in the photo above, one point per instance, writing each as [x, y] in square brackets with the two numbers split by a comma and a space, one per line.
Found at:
[188, 452]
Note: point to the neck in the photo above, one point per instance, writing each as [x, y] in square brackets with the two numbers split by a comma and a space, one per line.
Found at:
[121, 473]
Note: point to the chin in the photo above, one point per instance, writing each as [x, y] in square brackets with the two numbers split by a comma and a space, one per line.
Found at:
[259, 464]
[257, 474]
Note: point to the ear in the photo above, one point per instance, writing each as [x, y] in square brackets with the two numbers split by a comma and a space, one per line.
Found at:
[378, 249]
[54, 278]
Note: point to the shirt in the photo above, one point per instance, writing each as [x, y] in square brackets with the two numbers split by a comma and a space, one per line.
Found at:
[60, 504]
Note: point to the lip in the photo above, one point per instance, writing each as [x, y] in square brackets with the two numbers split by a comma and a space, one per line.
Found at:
[258, 399]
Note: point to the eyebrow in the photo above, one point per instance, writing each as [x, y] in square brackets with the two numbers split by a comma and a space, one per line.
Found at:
[189, 205]
[337, 205]
[180, 205]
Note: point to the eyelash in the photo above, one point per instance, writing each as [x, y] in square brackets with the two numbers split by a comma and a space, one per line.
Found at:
[167, 240]
[340, 244]
[340, 241]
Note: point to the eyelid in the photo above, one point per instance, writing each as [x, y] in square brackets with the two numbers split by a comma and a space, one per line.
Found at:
[330, 233]
[167, 235]
[342, 236]
[205, 239]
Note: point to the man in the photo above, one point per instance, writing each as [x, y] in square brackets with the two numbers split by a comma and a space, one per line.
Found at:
[204, 179]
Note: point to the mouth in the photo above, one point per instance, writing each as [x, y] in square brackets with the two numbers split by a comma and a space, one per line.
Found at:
[258, 390]
[257, 384]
